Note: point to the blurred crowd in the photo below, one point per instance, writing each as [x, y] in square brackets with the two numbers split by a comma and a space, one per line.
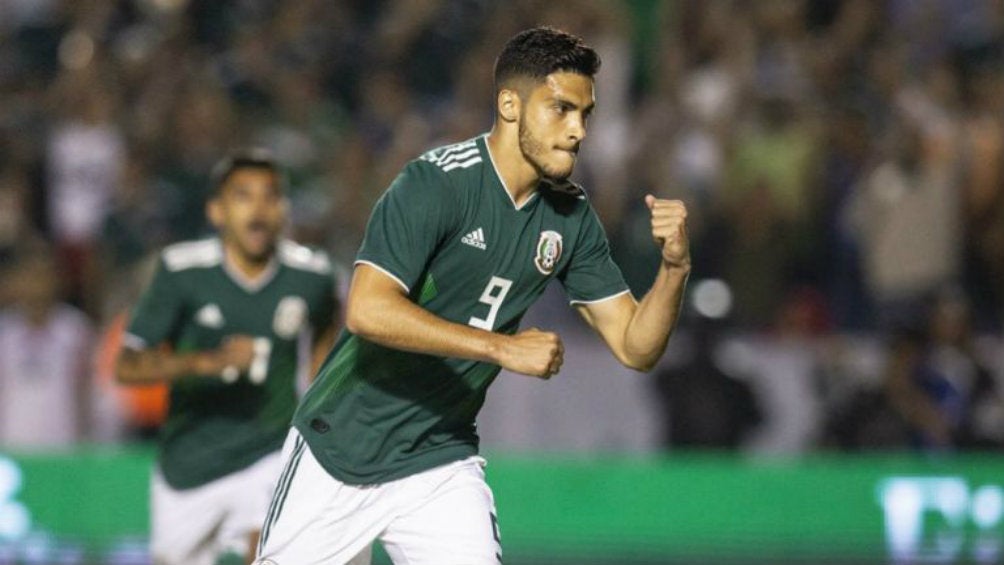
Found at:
[843, 162]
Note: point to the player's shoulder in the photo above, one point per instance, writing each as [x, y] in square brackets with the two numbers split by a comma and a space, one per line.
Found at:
[302, 258]
[187, 255]
[454, 162]
[442, 175]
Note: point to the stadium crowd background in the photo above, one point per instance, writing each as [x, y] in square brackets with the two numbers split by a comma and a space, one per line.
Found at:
[843, 162]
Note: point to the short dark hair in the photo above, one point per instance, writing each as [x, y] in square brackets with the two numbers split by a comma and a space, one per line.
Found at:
[540, 51]
[244, 158]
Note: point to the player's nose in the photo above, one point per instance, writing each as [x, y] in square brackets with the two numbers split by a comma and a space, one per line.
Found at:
[576, 130]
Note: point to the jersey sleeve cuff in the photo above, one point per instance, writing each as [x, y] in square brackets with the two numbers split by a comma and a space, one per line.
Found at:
[574, 301]
[385, 271]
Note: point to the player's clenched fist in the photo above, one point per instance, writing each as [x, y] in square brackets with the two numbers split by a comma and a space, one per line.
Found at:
[237, 350]
[669, 229]
[532, 352]
[232, 356]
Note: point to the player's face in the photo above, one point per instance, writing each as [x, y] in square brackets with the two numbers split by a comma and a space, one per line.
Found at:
[250, 212]
[553, 123]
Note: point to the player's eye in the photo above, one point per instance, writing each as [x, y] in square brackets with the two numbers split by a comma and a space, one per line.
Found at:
[272, 193]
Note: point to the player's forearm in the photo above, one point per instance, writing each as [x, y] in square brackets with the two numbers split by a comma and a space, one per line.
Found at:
[655, 317]
[396, 322]
[151, 366]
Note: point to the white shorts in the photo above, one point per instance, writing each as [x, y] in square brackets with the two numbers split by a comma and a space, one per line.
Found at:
[194, 526]
[443, 516]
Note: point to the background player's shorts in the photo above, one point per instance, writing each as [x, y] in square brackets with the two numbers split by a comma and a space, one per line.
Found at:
[195, 526]
[443, 516]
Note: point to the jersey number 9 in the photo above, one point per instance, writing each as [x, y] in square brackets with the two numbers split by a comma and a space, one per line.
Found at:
[493, 296]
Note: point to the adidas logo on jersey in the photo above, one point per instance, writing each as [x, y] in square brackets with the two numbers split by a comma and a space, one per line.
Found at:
[210, 316]
[475, 239]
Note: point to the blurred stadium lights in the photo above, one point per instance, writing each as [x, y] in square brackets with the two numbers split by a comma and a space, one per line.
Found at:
[712, 298]
[76, 50]
[164, 6]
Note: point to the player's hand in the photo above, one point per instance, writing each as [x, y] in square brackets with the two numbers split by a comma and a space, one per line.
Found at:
[231, 358]
[532, 352]
[669, 230]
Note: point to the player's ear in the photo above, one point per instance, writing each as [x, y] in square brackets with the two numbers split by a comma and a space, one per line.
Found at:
[508, 105]
[214, 211]
[284, 207]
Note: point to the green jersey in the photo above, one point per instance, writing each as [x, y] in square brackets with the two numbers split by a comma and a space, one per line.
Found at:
[450, 234]
[216, 426]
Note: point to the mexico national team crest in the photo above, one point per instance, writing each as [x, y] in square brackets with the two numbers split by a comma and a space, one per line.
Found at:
[548, 251]
[290, 315]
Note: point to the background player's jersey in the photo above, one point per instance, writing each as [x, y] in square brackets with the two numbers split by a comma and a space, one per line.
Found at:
[215, 426]
[449, 232]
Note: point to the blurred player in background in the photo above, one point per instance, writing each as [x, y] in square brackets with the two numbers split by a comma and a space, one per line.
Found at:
[466, 238]
[234, 311]
[45, 344]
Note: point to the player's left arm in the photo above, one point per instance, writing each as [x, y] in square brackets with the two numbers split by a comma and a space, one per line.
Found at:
[637, 331]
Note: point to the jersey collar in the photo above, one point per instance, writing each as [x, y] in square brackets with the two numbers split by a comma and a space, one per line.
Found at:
[248, 284]
[484, 141]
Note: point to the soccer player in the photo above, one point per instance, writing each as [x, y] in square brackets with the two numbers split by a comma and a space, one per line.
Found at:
[383, 445]
[222, 322]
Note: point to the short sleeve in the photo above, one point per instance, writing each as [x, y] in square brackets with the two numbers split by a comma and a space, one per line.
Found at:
[591, 275]
[155, 317]
[409, 222]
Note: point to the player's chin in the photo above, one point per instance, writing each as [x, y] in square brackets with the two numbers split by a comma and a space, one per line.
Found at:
[258, 252]
[559, 171]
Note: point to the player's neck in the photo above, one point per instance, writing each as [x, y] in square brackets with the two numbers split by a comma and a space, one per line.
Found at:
[248, 268]
[518, 177]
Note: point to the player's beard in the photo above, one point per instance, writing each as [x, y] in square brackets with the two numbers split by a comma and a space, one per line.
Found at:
[534, 150]
[258, 256]
[256, 252]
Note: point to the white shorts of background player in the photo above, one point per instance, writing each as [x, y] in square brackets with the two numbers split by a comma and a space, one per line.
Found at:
[194, 526]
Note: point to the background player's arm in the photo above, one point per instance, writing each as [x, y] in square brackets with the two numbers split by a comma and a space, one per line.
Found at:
[323, 342]
[380, 311]
[325, 325]
[637, 332]
[139, 366]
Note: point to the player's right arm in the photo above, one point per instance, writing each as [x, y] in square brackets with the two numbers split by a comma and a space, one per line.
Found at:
[380, 311]
[155, 319]
[409, 223]
[140, 366]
